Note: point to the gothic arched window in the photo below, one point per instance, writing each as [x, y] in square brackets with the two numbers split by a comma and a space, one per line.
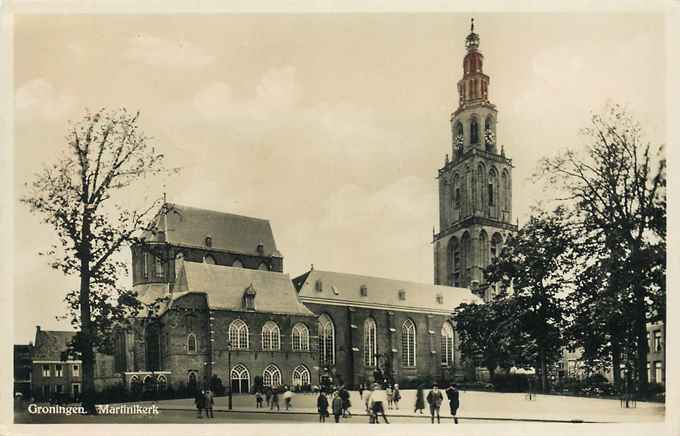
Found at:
[484, 249]
[454, 262]
[447, 344]
[474, 131]
[481, 179]
[370, 344]
[238, 335]
[505, 182]
[271, 336]
[240, 379]
[300, 337]
[271, 376]
[179, 259]
[456, 192]
[301, 376]
[192, 346]
[493, 188]
[326, 340]
[408, 344]
[496, 241]
[466, 255]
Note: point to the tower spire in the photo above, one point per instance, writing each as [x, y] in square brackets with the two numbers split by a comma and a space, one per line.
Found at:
[472, 25]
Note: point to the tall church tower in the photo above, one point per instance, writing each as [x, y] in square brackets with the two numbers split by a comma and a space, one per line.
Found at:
[475, 186]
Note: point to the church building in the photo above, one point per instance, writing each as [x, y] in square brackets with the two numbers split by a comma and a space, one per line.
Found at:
[475, 185]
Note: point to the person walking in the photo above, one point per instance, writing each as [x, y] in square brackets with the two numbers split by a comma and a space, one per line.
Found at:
[368, 402]
[209, 403]
[420, 400]
[346, 403]
[275, 400]
[396, 396]
[389, 394]
[337, 406]
[199, 400]
[361, 391]
[322, 406]
[434, 399]
[453, 394]
[258, 400]
[268, 395]
[378, 400]
[287, 397]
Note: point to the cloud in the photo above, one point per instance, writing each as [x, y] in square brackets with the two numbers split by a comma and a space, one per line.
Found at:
[154, 51]
[39, 99]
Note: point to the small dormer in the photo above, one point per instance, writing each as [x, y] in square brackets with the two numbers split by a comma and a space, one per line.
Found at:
[249, 298]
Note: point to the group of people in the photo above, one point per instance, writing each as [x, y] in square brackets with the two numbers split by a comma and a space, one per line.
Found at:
[378, 397]
[204, 400]
[271, 396]
[339, 405]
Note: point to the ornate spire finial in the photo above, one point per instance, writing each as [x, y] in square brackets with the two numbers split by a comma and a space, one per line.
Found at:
[472, 25]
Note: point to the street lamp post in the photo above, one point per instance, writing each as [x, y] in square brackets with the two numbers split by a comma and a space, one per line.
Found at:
[229, 372]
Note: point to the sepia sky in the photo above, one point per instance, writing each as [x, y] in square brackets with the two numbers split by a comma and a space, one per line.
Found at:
[330, 126]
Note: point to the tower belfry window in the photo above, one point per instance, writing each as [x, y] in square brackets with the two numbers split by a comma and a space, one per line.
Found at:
[474, 131]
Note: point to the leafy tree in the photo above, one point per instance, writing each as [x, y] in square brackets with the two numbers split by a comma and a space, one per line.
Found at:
[533, 264]
[617, 187]
[81, 197]
[484, 332]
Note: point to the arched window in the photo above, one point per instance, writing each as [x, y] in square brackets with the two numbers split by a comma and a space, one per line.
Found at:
[505, 179]
[466, 258]
[134, 380]
[209, 259]
[238, 335]
[447, 344]
[301, 376]
[271, 336]
[158, 266]
[492, 193]
[326, 340]
[483, 249]
[481, 182]
[192, 347]
[370, 343]
[456, 192]
[454, 262]
[162, 383]
[179, 259]
[474, 131]
[263, 267]
[408, 344]
[300, 337]
[496, 241]
[271, 376]
[240, 379]
[237, 264]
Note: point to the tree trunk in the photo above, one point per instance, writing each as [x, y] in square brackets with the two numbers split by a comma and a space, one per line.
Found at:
[616, 363]
[544, 376]
[641, 339]
[86, 348]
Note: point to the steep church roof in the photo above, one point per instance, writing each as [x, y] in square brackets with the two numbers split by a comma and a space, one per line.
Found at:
[225, 287]
[190, 226]
[326, 287]
[51, 344]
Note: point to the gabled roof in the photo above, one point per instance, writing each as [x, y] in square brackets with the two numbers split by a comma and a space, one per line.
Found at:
[189, 226]
[225, 286]
[326, 287]
[51, 344]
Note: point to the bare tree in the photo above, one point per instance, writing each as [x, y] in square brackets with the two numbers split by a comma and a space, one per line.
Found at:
[81, 197]
[618, 190]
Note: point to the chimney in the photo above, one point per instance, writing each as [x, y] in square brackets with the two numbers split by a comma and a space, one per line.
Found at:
[311, 267]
